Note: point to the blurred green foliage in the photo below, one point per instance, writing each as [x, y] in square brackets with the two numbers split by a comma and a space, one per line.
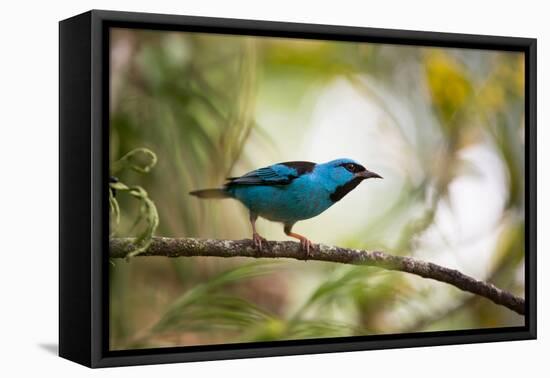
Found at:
[211, 106]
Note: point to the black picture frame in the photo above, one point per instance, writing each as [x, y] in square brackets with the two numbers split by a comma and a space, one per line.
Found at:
[83, 182]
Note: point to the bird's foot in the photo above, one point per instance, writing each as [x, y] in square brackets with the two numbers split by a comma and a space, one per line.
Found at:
[258, 240]
[307, 245]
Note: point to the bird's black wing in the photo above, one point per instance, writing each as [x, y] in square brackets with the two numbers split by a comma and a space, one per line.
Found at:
[277, 174]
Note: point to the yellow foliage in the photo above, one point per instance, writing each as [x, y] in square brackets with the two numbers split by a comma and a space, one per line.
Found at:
[492, 96]
[507, 79]
[449, 86]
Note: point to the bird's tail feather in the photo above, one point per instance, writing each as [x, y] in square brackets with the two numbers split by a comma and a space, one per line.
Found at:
[211, 193]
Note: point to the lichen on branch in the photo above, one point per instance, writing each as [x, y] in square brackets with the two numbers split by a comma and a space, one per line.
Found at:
[188, 247]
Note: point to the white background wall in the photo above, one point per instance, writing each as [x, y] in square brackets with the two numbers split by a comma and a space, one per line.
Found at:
[29, 189]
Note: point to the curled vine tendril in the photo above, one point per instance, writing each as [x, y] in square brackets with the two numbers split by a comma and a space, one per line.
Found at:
[141, 160]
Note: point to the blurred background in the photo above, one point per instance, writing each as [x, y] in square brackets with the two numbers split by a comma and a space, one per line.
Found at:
[444, 127]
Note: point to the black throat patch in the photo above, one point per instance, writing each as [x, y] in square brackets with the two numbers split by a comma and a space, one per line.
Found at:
[342, 190]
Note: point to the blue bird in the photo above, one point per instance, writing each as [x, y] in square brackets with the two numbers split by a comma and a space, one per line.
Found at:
[290, 192]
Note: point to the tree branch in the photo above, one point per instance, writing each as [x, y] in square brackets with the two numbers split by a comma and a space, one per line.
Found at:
[178, 247]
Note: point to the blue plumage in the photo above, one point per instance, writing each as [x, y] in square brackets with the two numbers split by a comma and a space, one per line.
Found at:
[292, 191]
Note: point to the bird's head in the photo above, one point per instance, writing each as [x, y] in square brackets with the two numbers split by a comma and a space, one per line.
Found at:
[342, 176]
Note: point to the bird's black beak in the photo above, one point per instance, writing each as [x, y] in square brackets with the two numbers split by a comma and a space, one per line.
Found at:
[367, 174]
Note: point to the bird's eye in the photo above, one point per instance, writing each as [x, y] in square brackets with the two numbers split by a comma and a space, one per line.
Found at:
[350, 167]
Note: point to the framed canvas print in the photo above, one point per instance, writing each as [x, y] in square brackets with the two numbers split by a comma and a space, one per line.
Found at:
[234, 188]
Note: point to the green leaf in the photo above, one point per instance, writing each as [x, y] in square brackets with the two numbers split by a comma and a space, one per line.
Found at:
[115, 210]
[119, 186]
[148, 213]
[332, 288]
[140, 160]
[204, 303]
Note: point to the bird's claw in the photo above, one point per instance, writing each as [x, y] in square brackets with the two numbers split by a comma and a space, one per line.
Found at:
[307, 245]
[258, 240]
